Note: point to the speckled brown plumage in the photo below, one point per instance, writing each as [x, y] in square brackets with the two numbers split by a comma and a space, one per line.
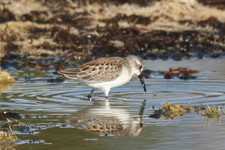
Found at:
[99, 70]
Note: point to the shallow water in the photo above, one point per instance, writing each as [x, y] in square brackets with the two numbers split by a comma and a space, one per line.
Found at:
[68, 120]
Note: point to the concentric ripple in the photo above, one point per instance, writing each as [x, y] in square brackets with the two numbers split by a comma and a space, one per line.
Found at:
[52, 97]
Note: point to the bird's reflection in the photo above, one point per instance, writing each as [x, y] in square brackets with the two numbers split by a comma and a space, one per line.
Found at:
[109, 120]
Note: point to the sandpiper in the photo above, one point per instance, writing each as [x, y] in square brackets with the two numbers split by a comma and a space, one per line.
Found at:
[106, 73]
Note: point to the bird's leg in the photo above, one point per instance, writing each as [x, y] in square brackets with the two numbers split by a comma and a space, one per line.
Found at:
[107, 93]
[89, 95]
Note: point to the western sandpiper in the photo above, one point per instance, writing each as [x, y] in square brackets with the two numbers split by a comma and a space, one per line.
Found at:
[107, 73]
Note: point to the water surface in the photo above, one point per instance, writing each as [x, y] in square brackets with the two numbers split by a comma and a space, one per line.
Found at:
[68, 120]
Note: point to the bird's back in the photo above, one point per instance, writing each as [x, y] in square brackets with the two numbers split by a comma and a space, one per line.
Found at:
[99, 70]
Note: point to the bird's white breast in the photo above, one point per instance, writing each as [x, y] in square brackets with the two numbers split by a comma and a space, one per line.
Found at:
[123, 78]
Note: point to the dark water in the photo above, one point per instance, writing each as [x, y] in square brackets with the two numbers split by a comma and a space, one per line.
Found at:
[68, 120]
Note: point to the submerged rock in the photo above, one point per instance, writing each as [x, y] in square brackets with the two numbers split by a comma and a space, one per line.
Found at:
[169, 111]
[6, 81]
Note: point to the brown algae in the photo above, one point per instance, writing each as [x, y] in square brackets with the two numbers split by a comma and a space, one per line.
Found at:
[212, 112]
[169, 111]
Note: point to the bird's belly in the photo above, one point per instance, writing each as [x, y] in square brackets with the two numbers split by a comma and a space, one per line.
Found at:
[111, 84]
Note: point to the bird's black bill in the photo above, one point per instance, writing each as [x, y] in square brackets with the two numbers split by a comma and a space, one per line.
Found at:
[142, 82]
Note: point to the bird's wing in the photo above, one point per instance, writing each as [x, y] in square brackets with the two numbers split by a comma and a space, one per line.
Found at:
[99, 70]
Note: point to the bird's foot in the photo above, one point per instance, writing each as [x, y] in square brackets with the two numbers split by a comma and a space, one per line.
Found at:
[89, 97]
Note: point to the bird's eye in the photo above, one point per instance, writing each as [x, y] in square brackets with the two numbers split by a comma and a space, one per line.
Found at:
[140, 67]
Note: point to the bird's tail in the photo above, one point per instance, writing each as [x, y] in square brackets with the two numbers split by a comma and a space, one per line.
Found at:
[69, 73]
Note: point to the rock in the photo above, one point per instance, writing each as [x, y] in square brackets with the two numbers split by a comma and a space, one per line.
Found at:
[6, 81]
